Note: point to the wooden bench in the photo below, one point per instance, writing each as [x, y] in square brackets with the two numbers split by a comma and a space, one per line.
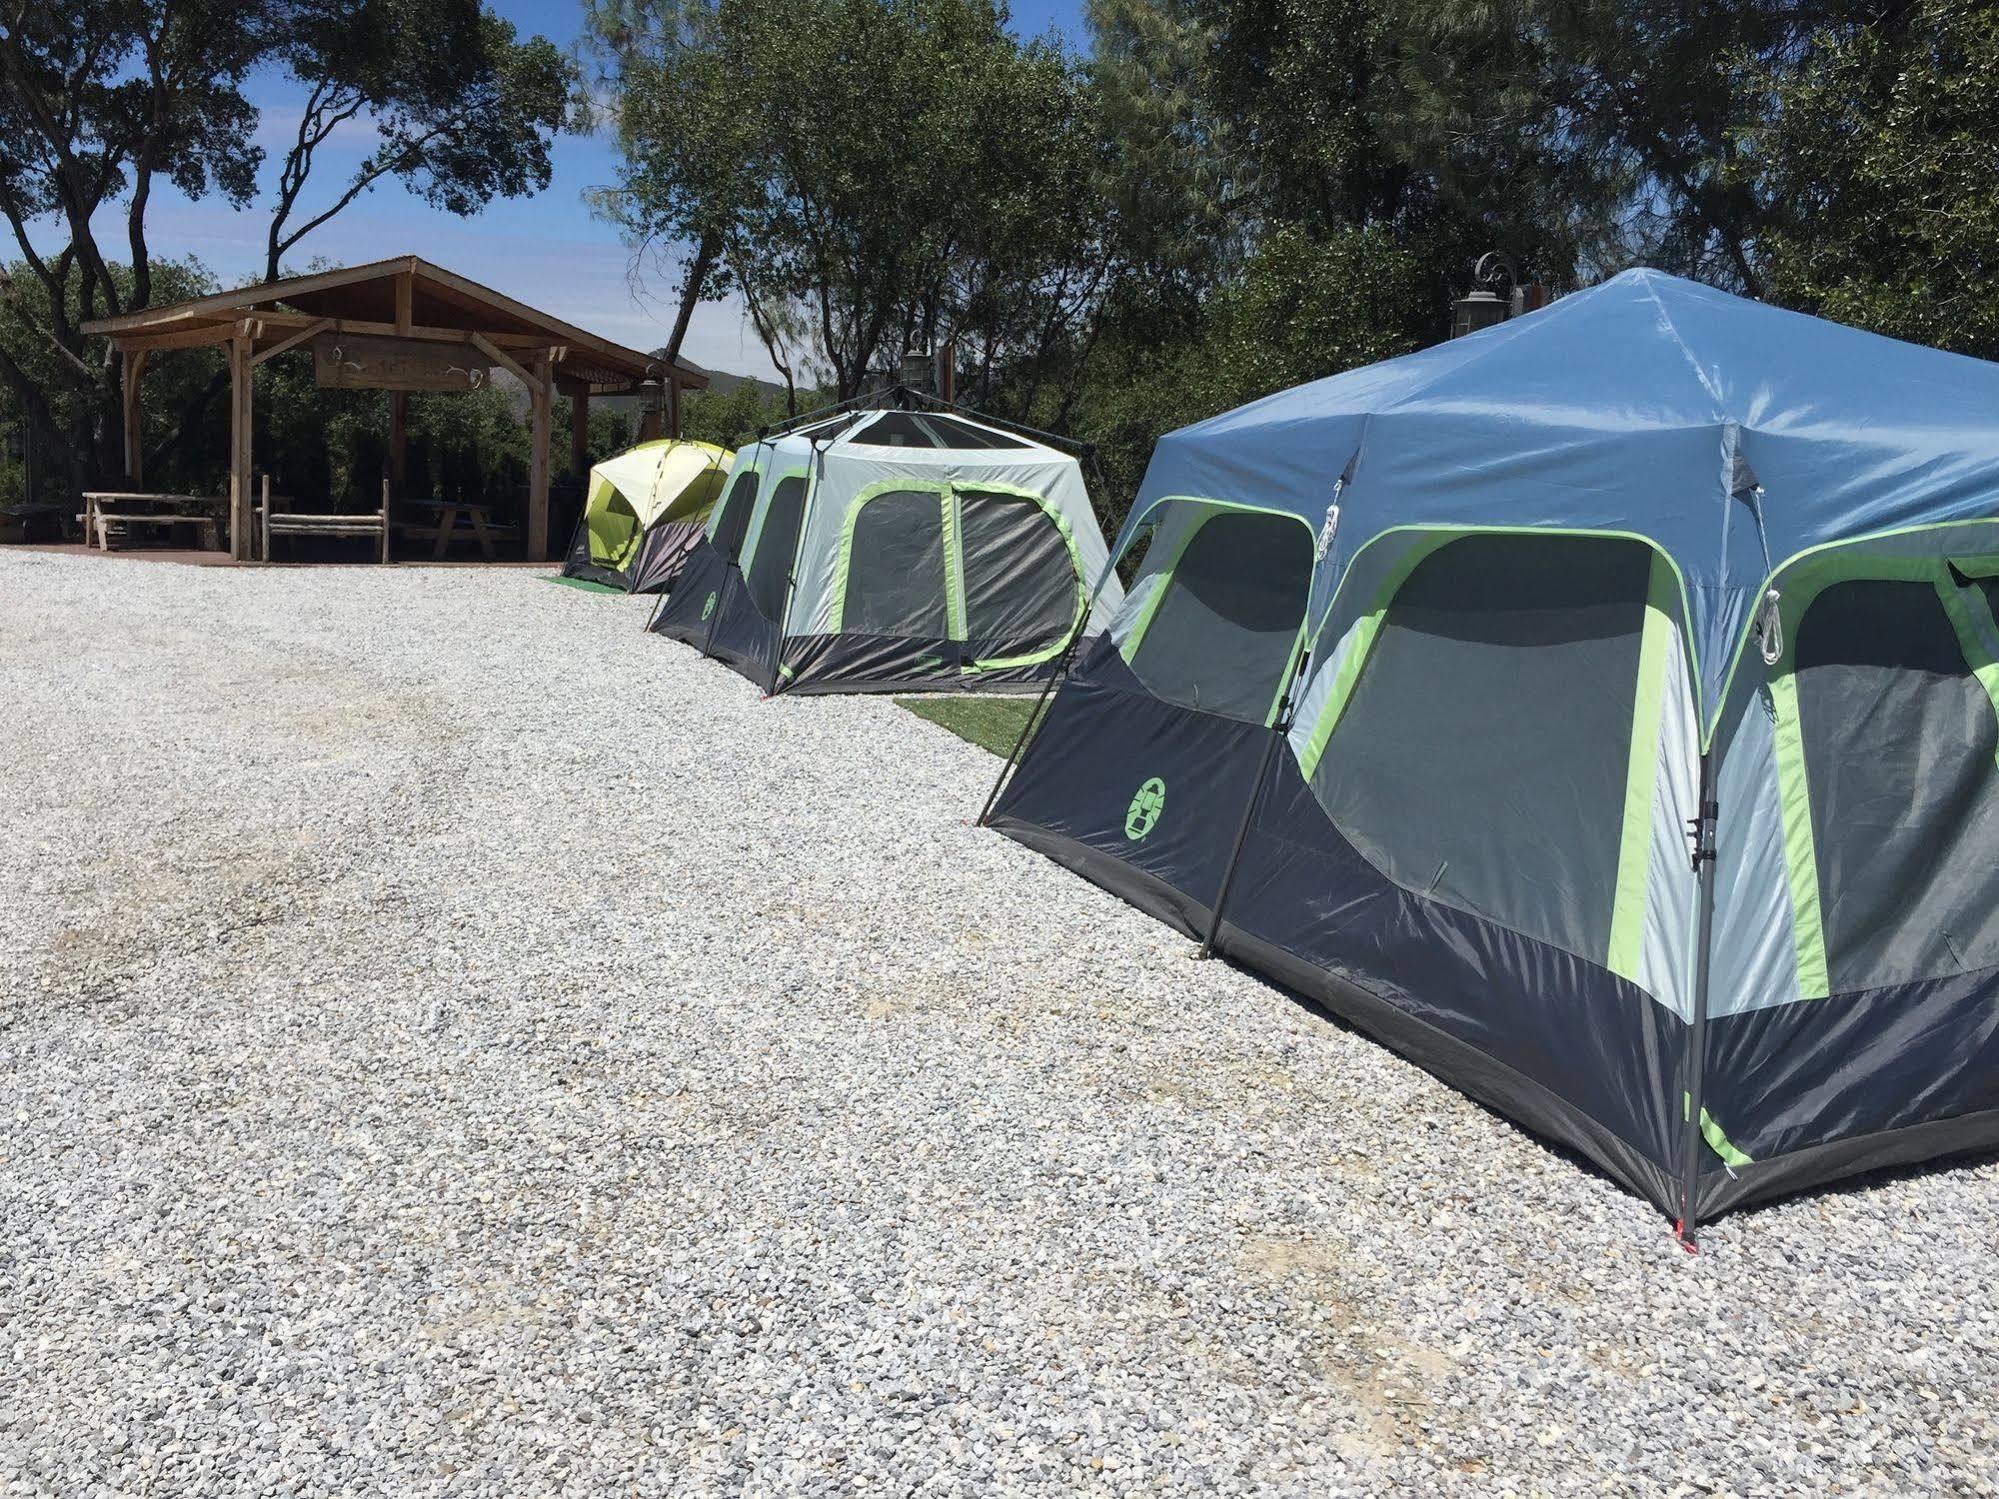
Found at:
[107, 514]
[290, 523]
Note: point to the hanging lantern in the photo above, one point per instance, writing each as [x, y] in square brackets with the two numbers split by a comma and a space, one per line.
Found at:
[1483, 306]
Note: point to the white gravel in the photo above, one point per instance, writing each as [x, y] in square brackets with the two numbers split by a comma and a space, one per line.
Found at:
[456, 1044]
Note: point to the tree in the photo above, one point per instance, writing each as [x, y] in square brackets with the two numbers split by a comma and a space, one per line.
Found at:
[732, 417]
[101, 99]
[1878, 163]
[869, 177]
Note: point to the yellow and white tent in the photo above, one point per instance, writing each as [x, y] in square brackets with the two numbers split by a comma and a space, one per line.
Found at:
[645, 510]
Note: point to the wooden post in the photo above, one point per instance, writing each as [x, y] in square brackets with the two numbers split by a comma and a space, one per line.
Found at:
[135, 455]
[241, 539]
[267, 517]
[579, 431]
[399, 401]
[399, 438]
[673, 406]
[544, 395]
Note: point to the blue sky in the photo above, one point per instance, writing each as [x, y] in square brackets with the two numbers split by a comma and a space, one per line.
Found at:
[547, 250]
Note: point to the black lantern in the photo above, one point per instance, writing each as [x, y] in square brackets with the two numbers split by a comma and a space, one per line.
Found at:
[1484, 306]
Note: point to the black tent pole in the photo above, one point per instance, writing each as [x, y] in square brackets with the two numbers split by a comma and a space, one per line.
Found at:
[1054, 679]
[1033, 718]
[1694, 1070]
[1280, 729]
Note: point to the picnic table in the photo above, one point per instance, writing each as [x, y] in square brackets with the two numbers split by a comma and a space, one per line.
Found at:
[106, 512]
[444, 521]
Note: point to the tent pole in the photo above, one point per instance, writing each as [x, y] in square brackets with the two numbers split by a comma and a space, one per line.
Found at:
[1033, 720]
[1280, 729]
[812, 474]
[1695, 1066]
[1054, 680]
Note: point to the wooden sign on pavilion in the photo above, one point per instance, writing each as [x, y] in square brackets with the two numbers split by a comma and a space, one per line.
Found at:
[398, 325]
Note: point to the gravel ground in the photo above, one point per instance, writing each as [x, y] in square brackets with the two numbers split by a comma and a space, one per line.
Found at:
[456, 1044]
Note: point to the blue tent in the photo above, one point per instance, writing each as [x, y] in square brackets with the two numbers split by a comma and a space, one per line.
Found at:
[1429, 667]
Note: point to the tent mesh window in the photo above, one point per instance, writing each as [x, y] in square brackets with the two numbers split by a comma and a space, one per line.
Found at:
[1020, 580]
[770, 564]
[1899, 741]
[1221, 637]
[895, 567]
[1482, 758]
[908, 429]
[735, 522]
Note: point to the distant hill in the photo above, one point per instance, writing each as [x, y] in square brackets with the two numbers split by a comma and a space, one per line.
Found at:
[719, 381]
[722, 382]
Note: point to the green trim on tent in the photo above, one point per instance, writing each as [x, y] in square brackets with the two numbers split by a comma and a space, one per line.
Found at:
[1641, 782]
[1068, 533]
[954, 569]
[1128, 647]
[843, 559]
[1368, 626]
[1971, 617]
[1346, 676]
[1780, 577]
[1801, 866]
[1718, 1142]
[1804, 578]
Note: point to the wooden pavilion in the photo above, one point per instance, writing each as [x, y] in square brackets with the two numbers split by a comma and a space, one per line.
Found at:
[398, 325]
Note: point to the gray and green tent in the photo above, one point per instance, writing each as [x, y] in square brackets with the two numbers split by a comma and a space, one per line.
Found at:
[643, 513]
[1601, 710]
[876, 551]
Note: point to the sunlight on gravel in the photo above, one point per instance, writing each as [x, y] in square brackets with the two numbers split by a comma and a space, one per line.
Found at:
[454, 1043]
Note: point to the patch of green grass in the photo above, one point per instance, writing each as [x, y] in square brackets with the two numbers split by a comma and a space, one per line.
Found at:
[992, 723]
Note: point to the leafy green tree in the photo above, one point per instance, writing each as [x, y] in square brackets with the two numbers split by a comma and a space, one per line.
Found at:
[1617, 126]
[869, 177]
[1305, 306]
[100, 100]
[732, 417]
[1882, 171]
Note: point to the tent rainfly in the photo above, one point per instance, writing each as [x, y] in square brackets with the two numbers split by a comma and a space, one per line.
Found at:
[1601, 710]
[895, 550]
[643, 513]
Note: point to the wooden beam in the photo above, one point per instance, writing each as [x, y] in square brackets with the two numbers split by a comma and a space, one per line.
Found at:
[310, 330]
[135, 448]
[541, 387]
[673, 406]
[242, 379]
[579, 432]
[405, 301]
[510, 364]
[249, 296]
[186, 336]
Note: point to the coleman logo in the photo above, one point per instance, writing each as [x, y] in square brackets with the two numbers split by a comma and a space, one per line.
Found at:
[1146, 805]
[708, 606]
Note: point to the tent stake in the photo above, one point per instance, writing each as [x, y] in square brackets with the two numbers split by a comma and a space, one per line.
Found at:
[1280, 729]
[1695, 1066]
